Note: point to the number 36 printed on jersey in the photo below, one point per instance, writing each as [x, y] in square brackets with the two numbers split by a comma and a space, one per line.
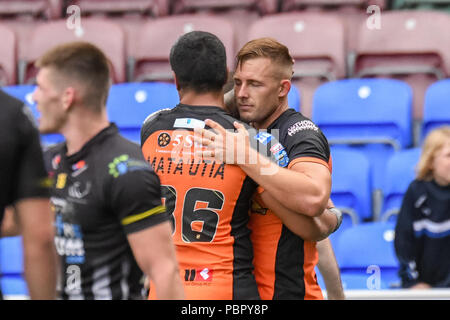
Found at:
[197, 224]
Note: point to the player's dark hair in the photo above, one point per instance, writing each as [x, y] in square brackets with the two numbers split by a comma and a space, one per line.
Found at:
[199, 62]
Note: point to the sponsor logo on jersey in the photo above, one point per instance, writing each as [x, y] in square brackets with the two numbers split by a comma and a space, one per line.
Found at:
[56, 161]
[301, 126]
[188, 123]
[198, 275]
[79, 168]
[163, 139]
[280, 155]
[263, 137]
[61, 181]
[123, 164]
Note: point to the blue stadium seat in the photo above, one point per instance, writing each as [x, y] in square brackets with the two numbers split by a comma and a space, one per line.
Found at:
[24, 92]
[366, 257]
[14, 286]
[129, 104]
[351, 187]
[11, 257]
[400, 172]
[373, 115]
[436, 106]
[294, 98]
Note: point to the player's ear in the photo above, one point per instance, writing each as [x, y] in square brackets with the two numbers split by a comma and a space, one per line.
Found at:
[175, 80]
[285, 86]
[68, 97]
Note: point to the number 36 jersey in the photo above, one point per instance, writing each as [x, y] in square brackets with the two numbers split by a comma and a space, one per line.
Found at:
[209, 203]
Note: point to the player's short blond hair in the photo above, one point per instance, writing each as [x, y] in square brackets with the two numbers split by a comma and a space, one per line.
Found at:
[267, 48]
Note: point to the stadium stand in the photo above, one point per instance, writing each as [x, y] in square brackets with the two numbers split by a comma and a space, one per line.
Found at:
[366, 256]
[443, 5]
[151, 58]
[413, 50]
[436, 106]
[48, 9]
[351, 188]
[372, 115]
[11, 266]
[131, 15]
[400, 172]
[361, 5]
[24, 93]
[294, 98]
[319, 52]
[129, 104]
[241, 13]
[108, 36]
[7, 56]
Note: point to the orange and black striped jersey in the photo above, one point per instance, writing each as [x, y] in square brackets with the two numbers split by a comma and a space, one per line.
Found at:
[209, 203]
[284, 263]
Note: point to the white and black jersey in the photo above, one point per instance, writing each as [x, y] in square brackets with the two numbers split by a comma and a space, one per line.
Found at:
[102, 193]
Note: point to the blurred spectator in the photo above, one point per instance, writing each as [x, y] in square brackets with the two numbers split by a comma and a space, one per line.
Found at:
[422, 241]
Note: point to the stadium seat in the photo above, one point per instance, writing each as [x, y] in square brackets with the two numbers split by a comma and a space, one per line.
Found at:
[319, 52]
[24, 93]
[372, 115]
[294, 99]
[45, 9]
[11, 256]
[436, 107]
[156, 38]
[14, 287]
[400, 172]
[156, 8]
[240, 13]
[351, 187]
[109, 37]
[366, 256]
[443, 5]
[7, 56]
[11, 266]
[129, 104]
[291, 5]
[413, 50]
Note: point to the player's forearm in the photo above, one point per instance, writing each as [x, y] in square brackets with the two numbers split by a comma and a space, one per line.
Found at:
[308, 228]
[40, 268]
[166, 280]
[329, 269]
[297, 191]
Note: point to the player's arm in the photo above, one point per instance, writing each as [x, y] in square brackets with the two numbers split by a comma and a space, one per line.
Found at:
[35, 219]
[159, 264]
[304, 188]
[32, 207]
[329, 270]
[308, 228]
[136, 198]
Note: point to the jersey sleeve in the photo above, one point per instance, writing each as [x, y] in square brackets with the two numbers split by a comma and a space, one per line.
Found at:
[136, 196]
[31, 178]
[305, 142]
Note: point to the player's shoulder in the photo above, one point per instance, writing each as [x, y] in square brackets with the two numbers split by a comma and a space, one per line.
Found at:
[293, 122]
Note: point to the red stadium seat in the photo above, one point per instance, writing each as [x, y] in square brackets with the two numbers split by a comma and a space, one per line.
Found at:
[241, 13]
[319, 52]
[7, 56]
[157, 37]
[48, 9]
[262, 6]
[290, 5]
[410, 46]
[109, 37]
[155, 8]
